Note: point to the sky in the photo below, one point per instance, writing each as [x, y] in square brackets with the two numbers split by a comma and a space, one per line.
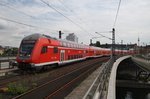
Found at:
[20, 18]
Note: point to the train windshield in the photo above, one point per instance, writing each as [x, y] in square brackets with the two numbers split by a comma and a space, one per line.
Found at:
[26, 48]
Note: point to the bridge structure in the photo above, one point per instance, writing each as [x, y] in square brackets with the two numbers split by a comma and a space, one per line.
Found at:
[113, 77]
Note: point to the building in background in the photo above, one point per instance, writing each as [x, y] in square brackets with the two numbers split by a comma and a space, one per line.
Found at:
[72, 37]
[1, 50]
[8, 51]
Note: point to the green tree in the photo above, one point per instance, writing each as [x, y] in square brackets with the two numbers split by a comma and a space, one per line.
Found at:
[97, 44]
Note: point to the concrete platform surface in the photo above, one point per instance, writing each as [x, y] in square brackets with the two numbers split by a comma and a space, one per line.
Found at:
[80, 91]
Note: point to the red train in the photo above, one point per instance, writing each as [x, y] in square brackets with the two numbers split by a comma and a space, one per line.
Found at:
[39, 51]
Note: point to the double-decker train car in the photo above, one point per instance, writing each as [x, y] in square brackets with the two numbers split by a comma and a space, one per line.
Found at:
[38, 51]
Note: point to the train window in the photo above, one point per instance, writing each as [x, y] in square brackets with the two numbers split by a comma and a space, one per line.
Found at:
[65, 44]
[44, 49]
[68, 44]
[86, 51]
[61, 43]
[73, 45]
[71, 56]
[68, 57]
[74, 56]
[55, 49]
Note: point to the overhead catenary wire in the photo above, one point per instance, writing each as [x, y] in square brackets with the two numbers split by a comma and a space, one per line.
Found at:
[12, 8]
[16, 22]
[21, 23]
[50, 6]
[29, 25]
[19, 11]
[68, 9]
[117, 14]
[113, 23]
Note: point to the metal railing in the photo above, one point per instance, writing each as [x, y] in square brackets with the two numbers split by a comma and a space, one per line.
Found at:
[99, 87]
[143, 62]
[142, 57]
[9, 62]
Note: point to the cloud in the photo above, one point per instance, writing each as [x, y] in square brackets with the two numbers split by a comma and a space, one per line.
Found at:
[3, 24]
[89, 16]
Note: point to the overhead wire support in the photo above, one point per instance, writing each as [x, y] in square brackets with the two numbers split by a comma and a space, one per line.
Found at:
[103, 36]
[105, 32]
[63, 15]
[117, 14]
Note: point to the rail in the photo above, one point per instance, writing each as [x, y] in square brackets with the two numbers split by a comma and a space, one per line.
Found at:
[98, 90]
[9, 61]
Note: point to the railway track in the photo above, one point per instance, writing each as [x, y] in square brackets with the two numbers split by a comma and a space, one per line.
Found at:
[61, 83]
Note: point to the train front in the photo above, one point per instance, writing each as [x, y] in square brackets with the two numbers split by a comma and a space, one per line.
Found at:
[25, 57]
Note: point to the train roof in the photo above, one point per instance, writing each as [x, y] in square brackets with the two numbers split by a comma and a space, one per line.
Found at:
[99, 48]
[36, 36]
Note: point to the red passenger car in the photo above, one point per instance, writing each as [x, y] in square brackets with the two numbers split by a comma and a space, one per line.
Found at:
[40, 51]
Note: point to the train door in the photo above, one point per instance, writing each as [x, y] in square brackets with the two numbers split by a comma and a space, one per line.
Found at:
[62, 55]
